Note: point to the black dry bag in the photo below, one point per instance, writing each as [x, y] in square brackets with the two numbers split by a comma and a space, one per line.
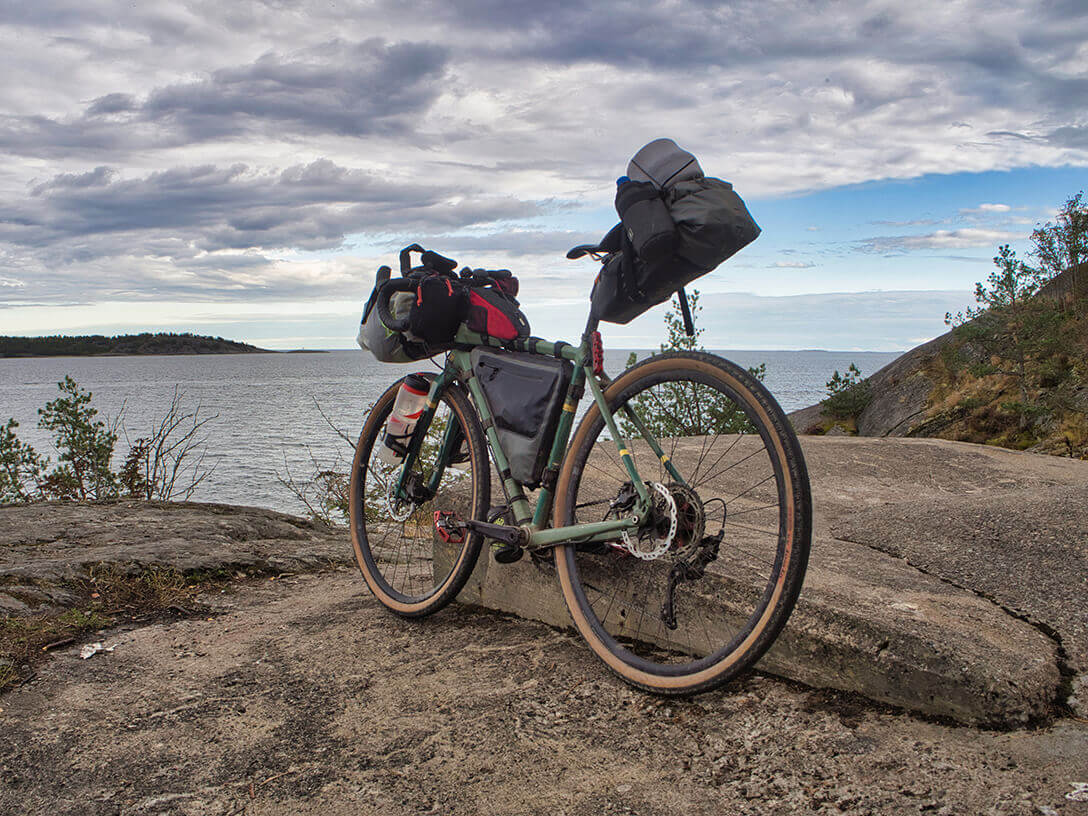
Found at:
[646, 220]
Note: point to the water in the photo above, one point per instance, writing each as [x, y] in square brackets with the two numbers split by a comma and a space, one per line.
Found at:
[267, 422]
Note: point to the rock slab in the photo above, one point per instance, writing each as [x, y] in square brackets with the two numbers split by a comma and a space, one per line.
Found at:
[906, 630]
[43, 546]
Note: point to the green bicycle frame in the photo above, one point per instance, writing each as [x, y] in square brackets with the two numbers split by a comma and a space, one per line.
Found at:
[458, 365]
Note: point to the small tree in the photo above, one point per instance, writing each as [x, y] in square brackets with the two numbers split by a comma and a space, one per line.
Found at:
[169, 463]
[847, 394]
[1016, 331]
[686, 408]
[85, 446]
[22, 470]
[1063, 244]
[1009, 287]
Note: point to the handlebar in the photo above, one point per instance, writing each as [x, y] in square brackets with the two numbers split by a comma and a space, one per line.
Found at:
[431, 260]
[387, 290]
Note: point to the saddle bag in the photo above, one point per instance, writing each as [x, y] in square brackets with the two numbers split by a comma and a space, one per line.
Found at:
[709, 220]
[525, 394]
[712, 223]
[646, 221]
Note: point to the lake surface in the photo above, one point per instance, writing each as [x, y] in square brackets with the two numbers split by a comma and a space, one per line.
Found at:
[267, 421]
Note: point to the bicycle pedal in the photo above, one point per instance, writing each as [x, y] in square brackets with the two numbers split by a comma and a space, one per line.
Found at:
[449, 526]
[507, 553]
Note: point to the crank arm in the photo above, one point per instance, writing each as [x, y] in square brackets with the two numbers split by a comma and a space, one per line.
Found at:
[504, 533]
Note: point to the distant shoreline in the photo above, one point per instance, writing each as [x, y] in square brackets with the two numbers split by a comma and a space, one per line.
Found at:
[166, 353]
[125, 345]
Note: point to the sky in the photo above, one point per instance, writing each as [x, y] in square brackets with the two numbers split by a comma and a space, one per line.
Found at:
[241, 168]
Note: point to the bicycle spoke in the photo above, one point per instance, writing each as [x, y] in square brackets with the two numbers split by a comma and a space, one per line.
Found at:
[704, 431]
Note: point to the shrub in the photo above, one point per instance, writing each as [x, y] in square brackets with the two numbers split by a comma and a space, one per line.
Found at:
[84, 444]
[166, 464]
[847, 394]
[672, 411]
[22, 470]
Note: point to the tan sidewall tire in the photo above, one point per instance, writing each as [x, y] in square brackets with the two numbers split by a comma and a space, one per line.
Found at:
[481, 491]
[795, 556]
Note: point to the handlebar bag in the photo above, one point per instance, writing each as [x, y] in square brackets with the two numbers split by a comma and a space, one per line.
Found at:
[524, 393]
[493, 313]
[386, 345]
[441, 302]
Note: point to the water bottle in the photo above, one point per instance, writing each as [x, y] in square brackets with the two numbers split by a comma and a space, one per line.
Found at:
[407, 407]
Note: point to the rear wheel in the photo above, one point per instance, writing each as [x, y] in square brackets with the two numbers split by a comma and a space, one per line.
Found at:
[406, 564]
[704, 587]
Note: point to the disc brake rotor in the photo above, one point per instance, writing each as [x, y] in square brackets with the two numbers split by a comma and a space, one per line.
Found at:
[654, 539]
[691, 519]
[398, 509]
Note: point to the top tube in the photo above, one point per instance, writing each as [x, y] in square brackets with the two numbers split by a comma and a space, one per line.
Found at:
[533, 345]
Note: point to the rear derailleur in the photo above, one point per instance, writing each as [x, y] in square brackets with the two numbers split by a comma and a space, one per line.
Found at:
[691, 567]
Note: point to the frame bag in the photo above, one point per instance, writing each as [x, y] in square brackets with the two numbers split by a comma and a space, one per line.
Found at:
[525, 394]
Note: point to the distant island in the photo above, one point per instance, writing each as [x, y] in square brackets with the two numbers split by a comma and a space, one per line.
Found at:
[123, 344]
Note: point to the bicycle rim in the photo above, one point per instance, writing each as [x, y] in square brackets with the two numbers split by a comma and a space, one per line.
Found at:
[746, 477]
[407, 566]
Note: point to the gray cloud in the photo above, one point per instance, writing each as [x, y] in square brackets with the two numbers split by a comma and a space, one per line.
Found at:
[517, 242]
[1075, 136]
[343, 88]
[175, 148]
[209, 223]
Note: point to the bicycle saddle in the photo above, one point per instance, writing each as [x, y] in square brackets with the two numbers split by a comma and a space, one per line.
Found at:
[610, 243]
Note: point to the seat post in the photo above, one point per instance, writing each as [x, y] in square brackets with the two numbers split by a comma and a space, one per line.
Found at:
[591, 326]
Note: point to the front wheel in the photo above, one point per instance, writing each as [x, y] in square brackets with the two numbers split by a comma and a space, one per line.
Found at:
[406, 564]
[703, 588]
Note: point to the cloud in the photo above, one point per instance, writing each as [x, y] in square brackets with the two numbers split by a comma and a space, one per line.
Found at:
[1074, 136]
[171, 148]
[986, 209]
[887, 321]
[211, 230]
[792, 265]
[941, 239]
[342, 88]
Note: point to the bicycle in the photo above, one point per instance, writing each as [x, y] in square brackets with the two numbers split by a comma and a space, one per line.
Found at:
[678, 517]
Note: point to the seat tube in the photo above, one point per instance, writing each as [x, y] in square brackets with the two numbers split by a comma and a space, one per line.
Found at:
[559, 447]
